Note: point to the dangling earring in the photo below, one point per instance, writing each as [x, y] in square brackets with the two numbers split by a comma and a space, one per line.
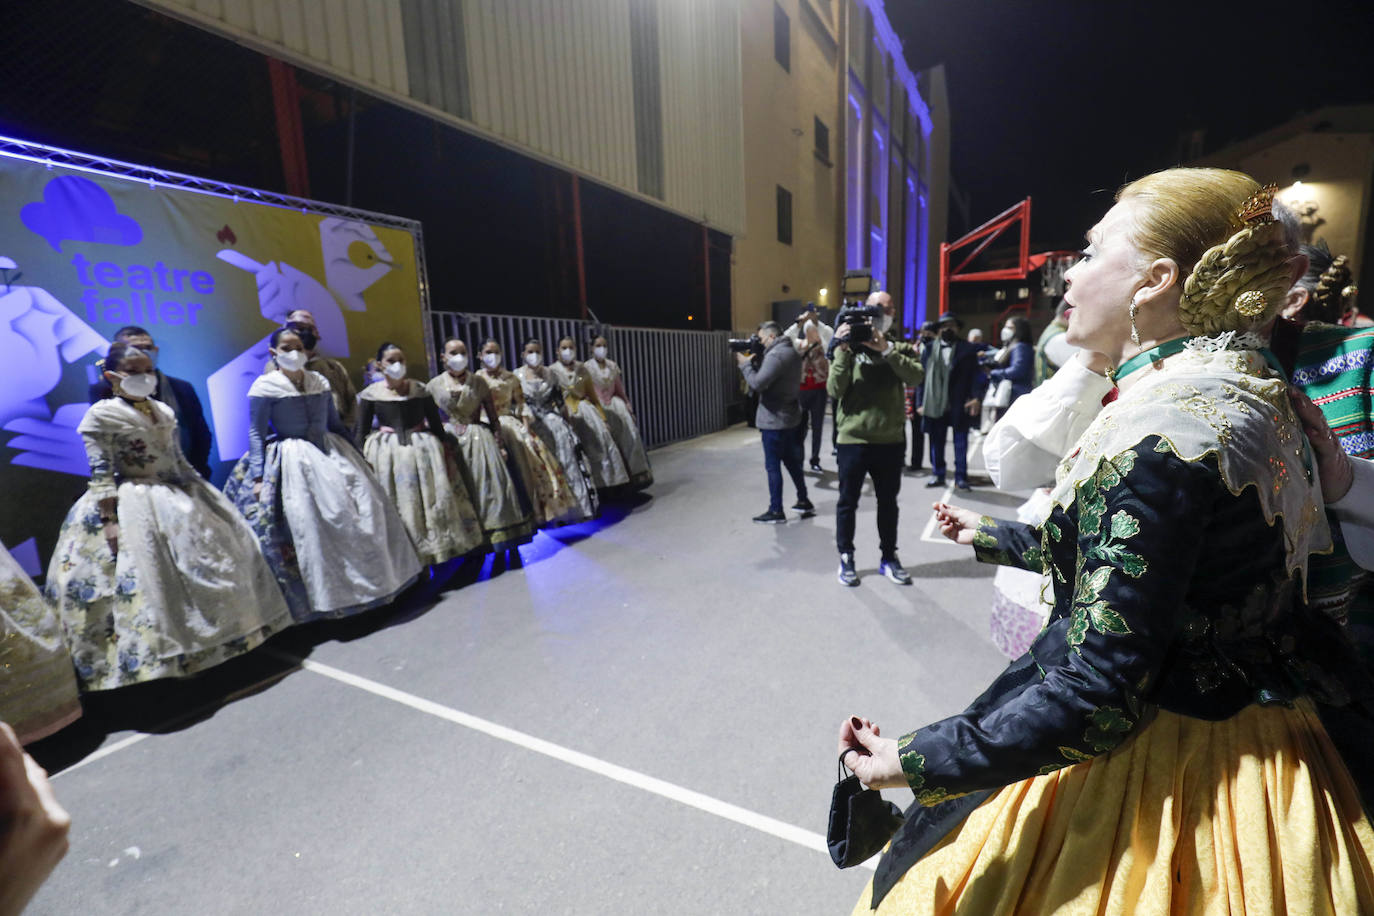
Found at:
[1135, 332]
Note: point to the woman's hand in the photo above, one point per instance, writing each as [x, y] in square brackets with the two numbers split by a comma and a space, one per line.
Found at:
[959, 525]
[110, 530]
[875, 759]
[33, 826]
[1333, 464]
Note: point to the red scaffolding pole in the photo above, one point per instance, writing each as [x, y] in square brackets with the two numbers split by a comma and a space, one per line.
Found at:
[985, 235]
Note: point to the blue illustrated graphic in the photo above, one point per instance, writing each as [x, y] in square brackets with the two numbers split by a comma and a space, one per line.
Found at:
[79, 210]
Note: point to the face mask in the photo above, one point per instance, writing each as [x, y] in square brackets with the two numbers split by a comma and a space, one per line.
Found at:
[566, 354]
[291, 360]
[395, 371]
[533, 360]
[1007, 335]
[491, 360]
[808, 327]
[151, 353]
[949, 335]
[457, 362]
[308, 338]
[883, 322]
[599, 353]
[138, 386]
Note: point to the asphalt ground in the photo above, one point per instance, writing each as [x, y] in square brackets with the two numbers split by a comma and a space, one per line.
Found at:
[639, 716]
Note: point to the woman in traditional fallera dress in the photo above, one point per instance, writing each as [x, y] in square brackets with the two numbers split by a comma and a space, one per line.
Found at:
[462, 395]
[332, 536]
[407, 452]
[610, 389]
[155, 573]
[1176, 739]
[38, 694]
[544, 399]
[551, 498]
[588, 419]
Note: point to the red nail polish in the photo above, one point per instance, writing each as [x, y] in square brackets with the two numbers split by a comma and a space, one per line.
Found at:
[855, 722]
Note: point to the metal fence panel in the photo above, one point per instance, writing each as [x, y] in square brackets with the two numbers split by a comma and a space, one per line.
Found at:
[682, 384]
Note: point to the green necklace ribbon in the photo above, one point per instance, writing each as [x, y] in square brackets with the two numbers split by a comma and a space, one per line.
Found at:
[1166, 349]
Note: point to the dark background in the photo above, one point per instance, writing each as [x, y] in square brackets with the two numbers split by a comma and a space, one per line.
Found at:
[1066, 100]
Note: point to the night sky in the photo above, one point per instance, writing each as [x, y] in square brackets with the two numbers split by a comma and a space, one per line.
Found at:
[1066, 100]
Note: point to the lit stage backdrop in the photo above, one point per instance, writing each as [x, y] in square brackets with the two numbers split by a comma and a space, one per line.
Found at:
[88, 246]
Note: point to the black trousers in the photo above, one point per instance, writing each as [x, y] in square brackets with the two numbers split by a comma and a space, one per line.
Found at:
[918, 442]
[813, 412]
[883, 463]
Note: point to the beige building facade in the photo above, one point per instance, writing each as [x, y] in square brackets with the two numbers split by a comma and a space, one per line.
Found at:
[846, 160]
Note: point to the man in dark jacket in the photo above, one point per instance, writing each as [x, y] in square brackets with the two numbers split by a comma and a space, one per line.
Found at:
[777, 381]
[176, 393]
[953, 401]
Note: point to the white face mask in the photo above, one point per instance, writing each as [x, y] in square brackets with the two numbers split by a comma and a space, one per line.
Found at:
[1007, 335]
[599, 353]
[395, 371]
[291, 360]
[457, 362]
[566, 354]
[808, 327]
[533, 360]
[491, 360]
[883, 322]
[138, 386]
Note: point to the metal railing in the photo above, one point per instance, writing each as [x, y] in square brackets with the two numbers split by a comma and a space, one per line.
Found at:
[681, 384]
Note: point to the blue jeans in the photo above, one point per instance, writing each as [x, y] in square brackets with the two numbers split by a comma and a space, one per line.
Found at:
[782, 447]
[935, 432]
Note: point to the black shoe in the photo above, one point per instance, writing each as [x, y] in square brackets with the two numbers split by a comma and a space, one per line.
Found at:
[834, 453]
[847, 575]
[815, 464]
[892, 568]
[963, 485]
[915, 467]
[770, 518]
[935, 482]
[804, 506]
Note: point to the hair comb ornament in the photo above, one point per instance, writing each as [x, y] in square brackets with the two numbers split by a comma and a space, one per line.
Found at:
[1258, 208]
[1250, 304]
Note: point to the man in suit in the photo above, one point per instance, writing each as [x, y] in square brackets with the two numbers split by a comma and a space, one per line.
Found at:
[953, 398]
[176, 393]
[777, 381]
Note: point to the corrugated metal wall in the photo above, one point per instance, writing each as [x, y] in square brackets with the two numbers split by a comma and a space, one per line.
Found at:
[643, 95]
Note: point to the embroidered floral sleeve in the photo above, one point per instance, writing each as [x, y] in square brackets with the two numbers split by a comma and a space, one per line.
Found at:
[1079, 691]
[1009, 544]
[100, 450]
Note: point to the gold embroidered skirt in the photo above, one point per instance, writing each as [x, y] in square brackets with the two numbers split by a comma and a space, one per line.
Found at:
[1255, 814]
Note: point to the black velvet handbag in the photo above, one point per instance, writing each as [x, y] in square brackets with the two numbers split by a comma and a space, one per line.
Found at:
[861, 822]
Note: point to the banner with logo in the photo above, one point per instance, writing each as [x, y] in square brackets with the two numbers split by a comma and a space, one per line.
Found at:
[210, 274]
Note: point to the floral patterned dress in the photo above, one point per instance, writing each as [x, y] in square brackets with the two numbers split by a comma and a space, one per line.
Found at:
[544, 400]
[610, 388]
[589, 422]
[189, 587]
[504, 518]
[551, 497]
[417, 471]
[38, 695]
[333, 537]
[1186, 735]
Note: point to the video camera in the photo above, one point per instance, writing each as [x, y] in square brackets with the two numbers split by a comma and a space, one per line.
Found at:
[855, 288]
[752, 345]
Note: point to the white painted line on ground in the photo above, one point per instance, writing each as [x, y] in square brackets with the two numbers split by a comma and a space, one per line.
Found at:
[105, 751]
[668, 790]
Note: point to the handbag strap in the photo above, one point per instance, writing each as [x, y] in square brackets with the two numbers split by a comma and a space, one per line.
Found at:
[848, 750]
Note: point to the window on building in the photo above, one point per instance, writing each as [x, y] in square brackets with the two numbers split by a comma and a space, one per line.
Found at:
[822, 141]
[782, 38]
[784, 215]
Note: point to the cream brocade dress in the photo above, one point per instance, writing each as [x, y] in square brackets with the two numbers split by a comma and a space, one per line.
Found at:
[38, 693]
[606, 380]
[552, 498]
[189, 587]
[542, 397]
[493, 491]
[589, 422]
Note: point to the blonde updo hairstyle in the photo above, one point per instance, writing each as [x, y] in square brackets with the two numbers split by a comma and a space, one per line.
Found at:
[1236, 274]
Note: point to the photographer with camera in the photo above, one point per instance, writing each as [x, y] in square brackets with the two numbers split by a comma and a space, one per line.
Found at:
[772, 368]
[868, 379]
